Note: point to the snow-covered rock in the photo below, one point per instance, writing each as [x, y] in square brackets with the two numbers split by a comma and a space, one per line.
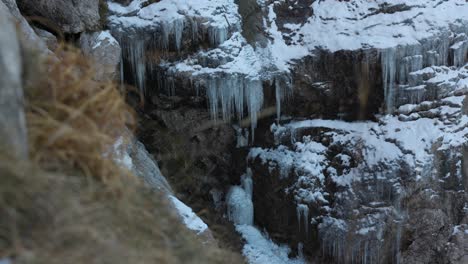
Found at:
[105, 51]
[363, 180]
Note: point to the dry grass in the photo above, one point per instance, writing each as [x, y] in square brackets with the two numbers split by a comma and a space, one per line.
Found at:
[73, 120]
[71, 203]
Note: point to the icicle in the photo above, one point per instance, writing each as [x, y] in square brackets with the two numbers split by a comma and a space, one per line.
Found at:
[302, 210]
[217, 35]
[443, 50]
[230, 92]
[279, 96]
[459, 52]
[282, 91]
[134, 51]
[194, 24]
[388, 60]
[178, 30]
[409, 64]
[239, 206]
[300, 250]
[254, 98]
[247, 182]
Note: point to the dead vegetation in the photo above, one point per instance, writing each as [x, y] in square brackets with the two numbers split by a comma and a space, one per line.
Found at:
[71, 203]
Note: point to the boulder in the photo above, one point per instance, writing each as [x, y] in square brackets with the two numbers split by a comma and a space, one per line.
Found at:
[105, 51]
[13, 135]
[31, 40]
[70, 16]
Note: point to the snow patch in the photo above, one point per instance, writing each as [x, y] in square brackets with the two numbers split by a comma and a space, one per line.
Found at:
[191, 220]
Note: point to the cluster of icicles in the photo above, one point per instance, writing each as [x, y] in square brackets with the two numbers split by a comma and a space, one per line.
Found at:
[231, 94]
[398, 62]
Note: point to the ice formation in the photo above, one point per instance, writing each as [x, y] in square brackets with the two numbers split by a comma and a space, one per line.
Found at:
[247, 182]
[239, 206]
[234, 93]
[302, 211]
[259, 248]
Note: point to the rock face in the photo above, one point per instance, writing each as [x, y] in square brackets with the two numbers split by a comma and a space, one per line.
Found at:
[105, 51]
[69, 15]
[12, 120]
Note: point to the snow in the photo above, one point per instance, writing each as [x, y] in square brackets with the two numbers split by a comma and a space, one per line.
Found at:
[282, 53]
[120, 154]
[216, 16]
[191, 220]
[104, 36]
[259, 249]
[356, 24]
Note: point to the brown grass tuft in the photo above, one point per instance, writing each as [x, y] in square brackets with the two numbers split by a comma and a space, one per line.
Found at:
[74, 120]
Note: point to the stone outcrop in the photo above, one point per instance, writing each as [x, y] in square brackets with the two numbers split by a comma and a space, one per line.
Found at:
[69, 15]
[105, 51]
[27, 34]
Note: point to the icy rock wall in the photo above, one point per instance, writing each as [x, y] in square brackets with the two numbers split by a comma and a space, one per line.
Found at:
[166, 30]
[449, 49]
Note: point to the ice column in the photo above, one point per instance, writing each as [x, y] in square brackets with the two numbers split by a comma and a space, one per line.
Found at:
[302, 211]
[134, 51]
[388, 60]
[240, 209]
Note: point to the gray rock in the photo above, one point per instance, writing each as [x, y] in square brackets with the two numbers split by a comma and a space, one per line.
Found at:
[146, 167]
[49, 38]
[13, 136]
[105, 51]
[70, 16]
[29, 37]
